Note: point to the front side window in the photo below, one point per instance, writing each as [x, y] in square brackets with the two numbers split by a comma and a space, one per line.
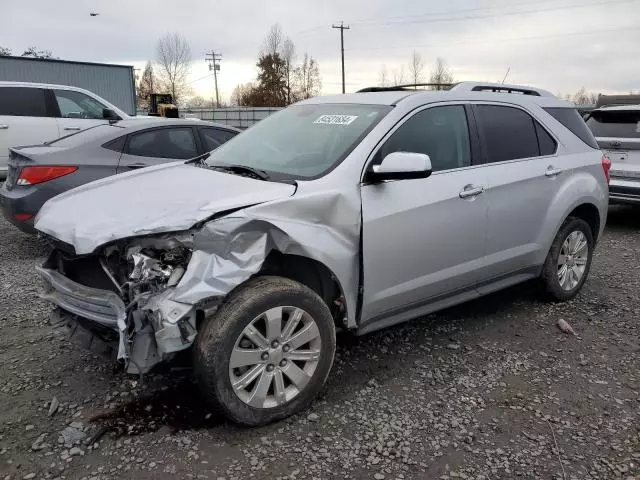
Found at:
[508, 133]
[78, 105]
[615, 123]
[301, 141]
[440, 132]
[176, 143]
[22, 102]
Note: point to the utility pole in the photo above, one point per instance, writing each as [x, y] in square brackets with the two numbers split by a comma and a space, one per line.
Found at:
[213, 59]
[342, 29]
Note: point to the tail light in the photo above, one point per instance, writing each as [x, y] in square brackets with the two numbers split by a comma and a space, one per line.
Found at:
[40, 174]
[606, 167]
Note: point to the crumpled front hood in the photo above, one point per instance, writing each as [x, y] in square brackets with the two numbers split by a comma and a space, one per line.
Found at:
[165, 198]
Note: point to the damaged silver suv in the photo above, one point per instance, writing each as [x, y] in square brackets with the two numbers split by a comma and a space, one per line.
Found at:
[357, 212]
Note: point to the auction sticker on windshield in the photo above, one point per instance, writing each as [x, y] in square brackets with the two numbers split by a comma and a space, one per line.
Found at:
[336, 119]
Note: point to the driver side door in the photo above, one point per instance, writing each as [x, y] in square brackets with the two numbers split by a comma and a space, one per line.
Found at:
[424, 239]
[77, 111]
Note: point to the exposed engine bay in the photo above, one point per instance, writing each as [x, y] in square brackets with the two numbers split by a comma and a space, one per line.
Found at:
[141, 274]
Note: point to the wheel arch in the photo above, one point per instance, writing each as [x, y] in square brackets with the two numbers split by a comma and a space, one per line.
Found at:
[311, 273]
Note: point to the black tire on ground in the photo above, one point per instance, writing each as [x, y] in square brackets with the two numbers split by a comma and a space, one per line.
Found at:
[549, 276]
[220, 332]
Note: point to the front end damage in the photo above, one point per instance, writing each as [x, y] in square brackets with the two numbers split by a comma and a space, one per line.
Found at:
[126, 289]
[150, 290]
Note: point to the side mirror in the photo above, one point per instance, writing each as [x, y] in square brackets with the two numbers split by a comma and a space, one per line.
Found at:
[109, 114]
[402, 166]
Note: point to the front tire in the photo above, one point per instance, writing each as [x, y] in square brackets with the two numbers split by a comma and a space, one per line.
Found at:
[267, 352]
[569, 260]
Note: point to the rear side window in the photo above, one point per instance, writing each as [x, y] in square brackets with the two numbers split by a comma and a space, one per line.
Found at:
[508, 133]
[22, 102]
[615, 123]
[214, 137]
[546, 142]
[570, 118]
[116, 145]
[164, 143]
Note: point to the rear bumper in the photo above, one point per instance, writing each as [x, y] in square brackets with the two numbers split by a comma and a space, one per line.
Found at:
[21, 200]
[624, 191]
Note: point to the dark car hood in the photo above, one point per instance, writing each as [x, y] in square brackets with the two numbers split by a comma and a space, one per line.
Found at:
[165, 198]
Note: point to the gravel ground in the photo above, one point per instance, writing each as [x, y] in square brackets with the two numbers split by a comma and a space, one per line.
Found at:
[487, 390]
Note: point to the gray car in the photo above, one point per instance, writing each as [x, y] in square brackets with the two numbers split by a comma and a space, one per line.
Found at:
[356, 211]
[38, 173]
[617, 131]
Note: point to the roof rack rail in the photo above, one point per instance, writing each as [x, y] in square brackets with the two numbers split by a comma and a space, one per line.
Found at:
[501, 88]
[407, 86]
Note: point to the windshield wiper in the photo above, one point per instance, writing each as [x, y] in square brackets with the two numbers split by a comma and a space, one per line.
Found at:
[199, 159]
[242, 169]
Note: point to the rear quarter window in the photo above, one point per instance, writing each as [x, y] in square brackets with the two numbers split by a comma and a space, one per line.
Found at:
[22, 102]
[571, 119]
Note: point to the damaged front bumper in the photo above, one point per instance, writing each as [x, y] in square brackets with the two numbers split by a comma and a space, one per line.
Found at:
[148, 333]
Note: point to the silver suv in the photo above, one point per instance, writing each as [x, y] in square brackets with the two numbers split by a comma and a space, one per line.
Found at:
[617, 131]
[357, 212]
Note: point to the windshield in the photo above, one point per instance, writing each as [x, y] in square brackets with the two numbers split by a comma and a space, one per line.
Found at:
[619, 124]
[302, 141]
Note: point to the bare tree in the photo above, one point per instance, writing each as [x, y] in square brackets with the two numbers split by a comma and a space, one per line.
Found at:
[307, 79]
[398, 76]
[33, 52]
[383, 79]
[441, 74]
[5, 52]
[288, 54]
[582, 97]
[174, 60]
[196, 102]
[274, 41]
[416, 68]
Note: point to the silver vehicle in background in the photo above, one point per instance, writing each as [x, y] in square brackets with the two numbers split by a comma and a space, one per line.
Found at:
[617, 131]
[356, 211]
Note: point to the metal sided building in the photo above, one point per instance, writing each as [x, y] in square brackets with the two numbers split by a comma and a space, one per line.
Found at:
[115, 83]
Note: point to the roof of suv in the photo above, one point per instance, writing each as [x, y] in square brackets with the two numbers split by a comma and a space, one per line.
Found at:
[41, 85]
[617, 108]
[461, 91]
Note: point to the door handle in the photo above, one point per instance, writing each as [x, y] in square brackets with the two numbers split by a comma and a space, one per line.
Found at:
[552, 172]
[4, 127]
[137, 165]
[72, 128]
[471, 191]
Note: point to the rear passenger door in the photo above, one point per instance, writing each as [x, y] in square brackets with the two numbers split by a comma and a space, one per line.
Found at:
[158, 145]
[213, 137]
[522, 171]
[24, 120]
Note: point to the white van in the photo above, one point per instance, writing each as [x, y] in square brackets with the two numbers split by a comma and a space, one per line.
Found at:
[33, 113]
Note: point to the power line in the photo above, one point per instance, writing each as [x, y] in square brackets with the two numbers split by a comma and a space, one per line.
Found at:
[342, 29]
[208, 75]
[492, 15]
[535, 37]
[213, 59]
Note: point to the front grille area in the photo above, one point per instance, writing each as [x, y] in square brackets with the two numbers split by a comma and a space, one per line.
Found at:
[101, 306]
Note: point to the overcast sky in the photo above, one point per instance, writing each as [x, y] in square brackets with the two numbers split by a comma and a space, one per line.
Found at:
[560, 45]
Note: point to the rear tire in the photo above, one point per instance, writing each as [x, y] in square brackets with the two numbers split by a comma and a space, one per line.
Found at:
[569, 260]
[278, 369]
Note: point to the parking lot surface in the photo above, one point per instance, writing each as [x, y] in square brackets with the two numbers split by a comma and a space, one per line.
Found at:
[490, 389]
